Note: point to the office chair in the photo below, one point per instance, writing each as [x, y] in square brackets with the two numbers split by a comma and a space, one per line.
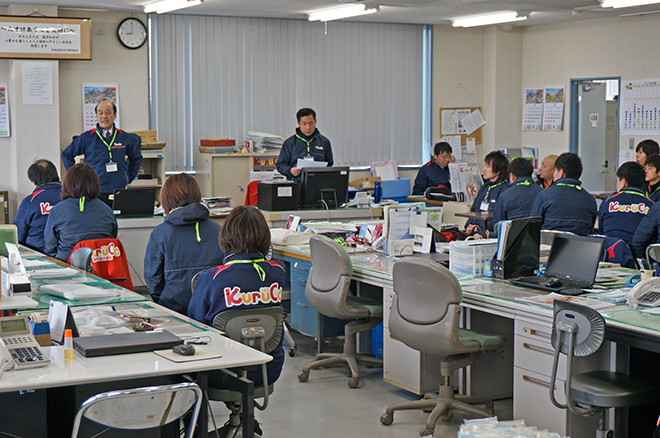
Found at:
[82, 259]
[547, 236]
[260, 328]
[142, 408]
[110, 261]
[425, 314]
[615, 250]
[328, 291]
[579, 331]
[653, 254]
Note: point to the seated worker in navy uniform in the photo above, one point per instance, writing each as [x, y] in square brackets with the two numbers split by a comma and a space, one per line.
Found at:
[33, 212]
[244, 280]
[435, 173]
[516, 202]
[546, 170]
[183, 245]
[565, 205]
[652, 185]
[307, 143]
[647, 232]
[106, 149]
[620, 214]
[645, 149]
[496, 181]
[80, 216]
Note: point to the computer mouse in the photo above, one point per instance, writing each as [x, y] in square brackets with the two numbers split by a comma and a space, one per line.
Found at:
[184, 349]
[553, 282]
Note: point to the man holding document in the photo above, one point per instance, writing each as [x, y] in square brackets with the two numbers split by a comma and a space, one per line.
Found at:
[307, 144]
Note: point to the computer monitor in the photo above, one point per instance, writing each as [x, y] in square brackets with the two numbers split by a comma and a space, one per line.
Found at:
[324, 187]
[519, 242]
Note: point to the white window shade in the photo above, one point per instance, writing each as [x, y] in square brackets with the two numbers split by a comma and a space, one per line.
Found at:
[223, 77]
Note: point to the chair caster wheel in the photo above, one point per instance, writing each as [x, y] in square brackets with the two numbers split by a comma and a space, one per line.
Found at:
[425, 432]
[292, 351]
[303, 377]
[387, 419]
[353, 383]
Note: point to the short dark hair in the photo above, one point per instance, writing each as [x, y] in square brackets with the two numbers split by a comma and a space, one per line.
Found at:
[304, 112]
[570, 163]
[633, 173]
[114, 107]
[653, 160]
[441, 147]
[498, 163]
[521, 167]
[81, 180]
[648, 146]
[42, 172]
[178, 191]
[245, 231]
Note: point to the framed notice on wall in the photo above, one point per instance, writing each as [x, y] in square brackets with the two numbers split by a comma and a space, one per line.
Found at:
[45, 37]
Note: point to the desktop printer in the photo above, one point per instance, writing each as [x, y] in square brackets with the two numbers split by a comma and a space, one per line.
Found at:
[14, 277]
[278, 195]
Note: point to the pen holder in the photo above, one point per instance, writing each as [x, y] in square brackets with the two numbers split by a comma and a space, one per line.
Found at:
[41, 332]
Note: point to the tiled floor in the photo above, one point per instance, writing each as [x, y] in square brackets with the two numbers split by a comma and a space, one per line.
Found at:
[326, 407]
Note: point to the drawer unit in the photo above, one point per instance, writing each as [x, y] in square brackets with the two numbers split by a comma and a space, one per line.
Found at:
[304, 318]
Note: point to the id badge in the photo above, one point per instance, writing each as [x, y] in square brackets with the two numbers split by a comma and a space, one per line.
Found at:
[308, 158]
[111, 167]
[484, 206]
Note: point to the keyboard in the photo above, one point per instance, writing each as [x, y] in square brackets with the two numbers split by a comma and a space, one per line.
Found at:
[567, 287]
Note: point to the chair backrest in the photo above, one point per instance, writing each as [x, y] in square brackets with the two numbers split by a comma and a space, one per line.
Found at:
[329, 281]
[109, 260]
[82, 259]
[425, 312]
[251, 193]
[577, 330]
[142, 408]
[195, 279]
[547, 236]
[652, 253]
[616, 250]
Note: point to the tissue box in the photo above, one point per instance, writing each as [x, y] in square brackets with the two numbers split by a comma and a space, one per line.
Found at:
[396, 189]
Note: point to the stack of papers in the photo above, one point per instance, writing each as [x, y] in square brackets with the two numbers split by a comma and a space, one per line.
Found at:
[548, 300]
[330, 227]
[56, 272]
[77, 291]
[218, 204]
[265, 142]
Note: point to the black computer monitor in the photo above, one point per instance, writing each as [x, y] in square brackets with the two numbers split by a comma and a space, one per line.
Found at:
[324, 187]
[520, 243]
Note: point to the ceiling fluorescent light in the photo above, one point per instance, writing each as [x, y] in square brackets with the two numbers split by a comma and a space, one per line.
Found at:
[170, 5]
[626, 3]
[484, 20]
[339, 13]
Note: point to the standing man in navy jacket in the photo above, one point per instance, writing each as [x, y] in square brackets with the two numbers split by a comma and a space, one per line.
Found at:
[516, 202]
[106, 149]
[622, 212]
[565, 205]
[435, 173]
[307, 143]
[34, 209]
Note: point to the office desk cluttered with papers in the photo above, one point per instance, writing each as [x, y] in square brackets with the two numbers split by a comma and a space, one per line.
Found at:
[43, 401]
[524, 316]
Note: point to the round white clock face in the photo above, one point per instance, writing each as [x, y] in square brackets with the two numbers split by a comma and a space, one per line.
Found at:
[132, 33]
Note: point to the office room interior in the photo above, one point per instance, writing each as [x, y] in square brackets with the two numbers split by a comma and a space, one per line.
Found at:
[487, 67]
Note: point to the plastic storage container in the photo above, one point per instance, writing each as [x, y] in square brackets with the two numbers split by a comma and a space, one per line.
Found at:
[467, 258]
[377, 341]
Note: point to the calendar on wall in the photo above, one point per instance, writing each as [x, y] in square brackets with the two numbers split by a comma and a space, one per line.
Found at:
[553, 107]
[533, 109]
[639, 111]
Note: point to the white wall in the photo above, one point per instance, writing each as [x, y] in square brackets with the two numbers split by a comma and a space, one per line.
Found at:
[42, 131]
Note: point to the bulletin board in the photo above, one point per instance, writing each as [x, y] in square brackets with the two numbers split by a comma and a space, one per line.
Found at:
[476, 134]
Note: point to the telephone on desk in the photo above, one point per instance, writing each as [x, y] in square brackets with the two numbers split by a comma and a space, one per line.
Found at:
[645, 293]
[18, 348]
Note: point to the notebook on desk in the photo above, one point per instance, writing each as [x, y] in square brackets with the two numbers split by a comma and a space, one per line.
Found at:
[134, 202]
[572, 266]
[123, 343]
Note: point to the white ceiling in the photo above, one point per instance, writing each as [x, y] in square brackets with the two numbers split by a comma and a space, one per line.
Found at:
[391, 11]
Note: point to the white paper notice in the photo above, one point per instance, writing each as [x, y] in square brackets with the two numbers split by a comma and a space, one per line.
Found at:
[470, 145]
[448, 124]
[640, 107]
[533, 109]
[459, 117]
[4, 111]
[473, 122]
[93, 94]
[455, 143]
[553, 108]
[301, 164]
[37, 83]
[626, 155]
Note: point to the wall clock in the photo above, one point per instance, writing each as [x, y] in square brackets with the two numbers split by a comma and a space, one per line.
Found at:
[132, 33]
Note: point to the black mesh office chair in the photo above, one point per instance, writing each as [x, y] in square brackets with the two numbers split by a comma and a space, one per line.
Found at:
[580, 331]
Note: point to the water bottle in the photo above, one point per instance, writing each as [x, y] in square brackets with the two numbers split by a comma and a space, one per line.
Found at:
[377, 191]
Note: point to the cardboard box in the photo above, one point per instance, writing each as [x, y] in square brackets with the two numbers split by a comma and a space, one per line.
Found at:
[366, 183]
[217, 142]
[149, 135]
[217, 149]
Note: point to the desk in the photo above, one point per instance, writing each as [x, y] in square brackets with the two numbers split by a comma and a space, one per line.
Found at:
[87, 371]
[484, 216]
[490, 305]
[278, 219]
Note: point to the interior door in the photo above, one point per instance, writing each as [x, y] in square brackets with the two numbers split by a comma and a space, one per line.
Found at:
[592, 113]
